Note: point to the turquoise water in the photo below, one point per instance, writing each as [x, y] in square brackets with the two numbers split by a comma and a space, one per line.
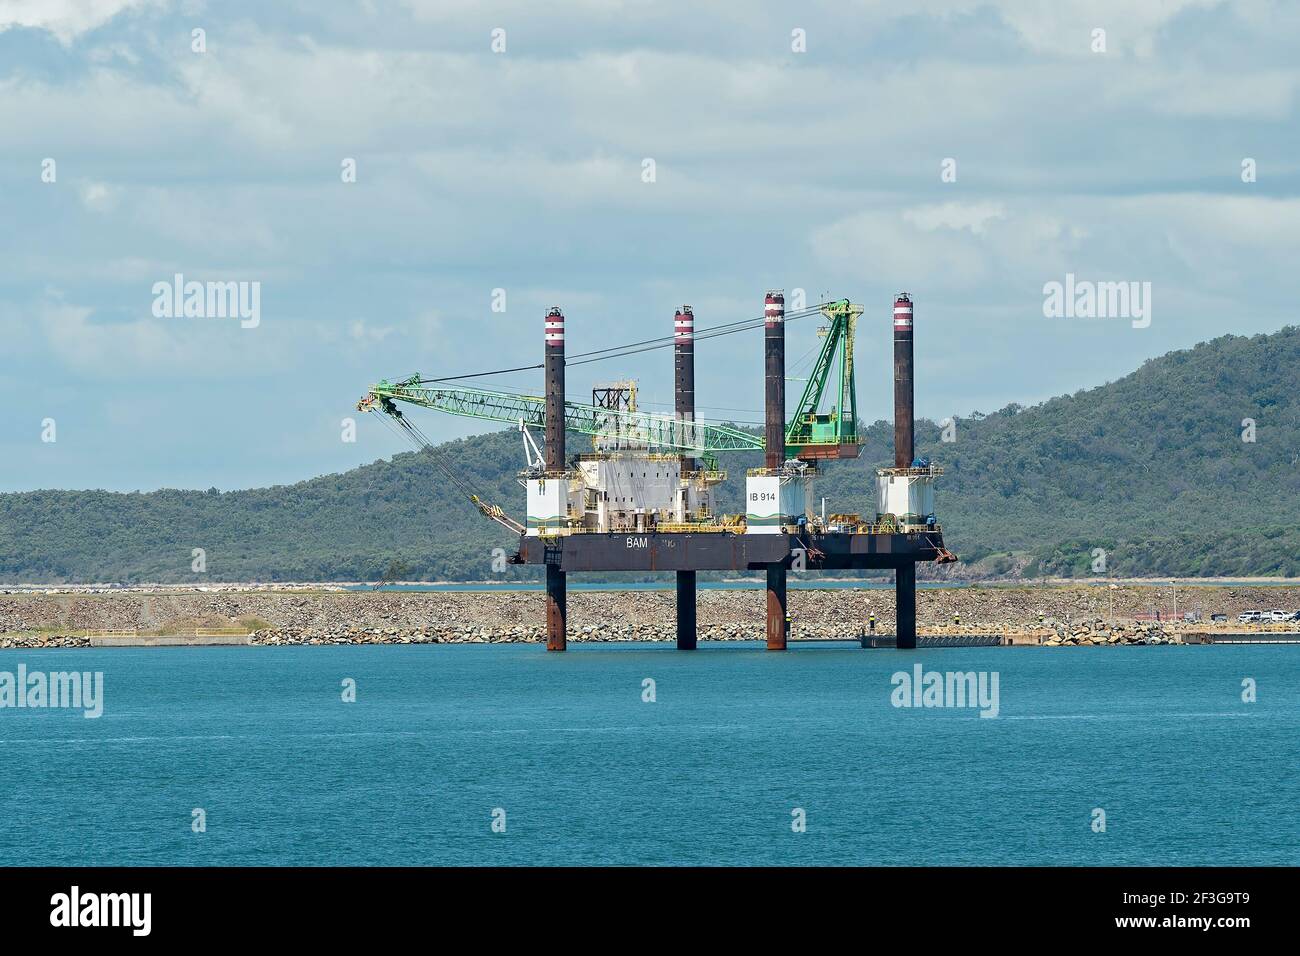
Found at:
[710, 773]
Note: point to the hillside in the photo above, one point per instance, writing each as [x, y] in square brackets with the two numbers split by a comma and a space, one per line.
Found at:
[1151, 467]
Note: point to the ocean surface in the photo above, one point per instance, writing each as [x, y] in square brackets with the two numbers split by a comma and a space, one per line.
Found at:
[713, 771]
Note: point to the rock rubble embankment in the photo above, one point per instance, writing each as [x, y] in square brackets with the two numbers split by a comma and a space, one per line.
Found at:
[1059, 615]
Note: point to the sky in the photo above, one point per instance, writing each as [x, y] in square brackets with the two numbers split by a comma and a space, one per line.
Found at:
[377, 171]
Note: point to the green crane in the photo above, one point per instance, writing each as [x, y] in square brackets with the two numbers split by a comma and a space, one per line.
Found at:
[811, 434]
[632, 427]
[814, 434]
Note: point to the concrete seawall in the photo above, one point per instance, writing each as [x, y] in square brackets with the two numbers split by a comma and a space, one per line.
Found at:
[1259, 637]
[181, 640]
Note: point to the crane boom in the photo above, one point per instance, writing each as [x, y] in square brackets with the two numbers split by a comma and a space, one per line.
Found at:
[813, 434]
[652, 430]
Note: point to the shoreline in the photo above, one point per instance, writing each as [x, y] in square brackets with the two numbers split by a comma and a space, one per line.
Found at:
[811, 583]
[1048, 615]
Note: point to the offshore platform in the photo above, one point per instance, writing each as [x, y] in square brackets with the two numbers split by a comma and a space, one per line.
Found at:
[642, 499]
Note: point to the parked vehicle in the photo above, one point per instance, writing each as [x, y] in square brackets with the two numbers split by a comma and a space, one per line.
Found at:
[1250, 617]
[1277, 617]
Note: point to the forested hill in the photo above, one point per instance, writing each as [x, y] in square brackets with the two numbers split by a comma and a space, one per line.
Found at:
[1153, 468]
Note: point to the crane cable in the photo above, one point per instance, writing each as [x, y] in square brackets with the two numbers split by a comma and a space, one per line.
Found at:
[633, 348]
[399, 424]
[709, 333]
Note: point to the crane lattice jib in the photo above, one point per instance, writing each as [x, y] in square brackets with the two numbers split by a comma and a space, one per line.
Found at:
[652, 430]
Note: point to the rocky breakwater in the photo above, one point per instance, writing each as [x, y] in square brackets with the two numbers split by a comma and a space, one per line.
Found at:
[1100, 632]
[10, 642]
[1058, 615]
[477, 634]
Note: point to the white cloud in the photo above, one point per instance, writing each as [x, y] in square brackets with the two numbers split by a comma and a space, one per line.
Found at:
[1192, 241]
[98, 197]
[523, 171]
[66, 19]
[955, 215]
[161, 349]
[1064, 27]
[1244, 94]
[362, 331]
